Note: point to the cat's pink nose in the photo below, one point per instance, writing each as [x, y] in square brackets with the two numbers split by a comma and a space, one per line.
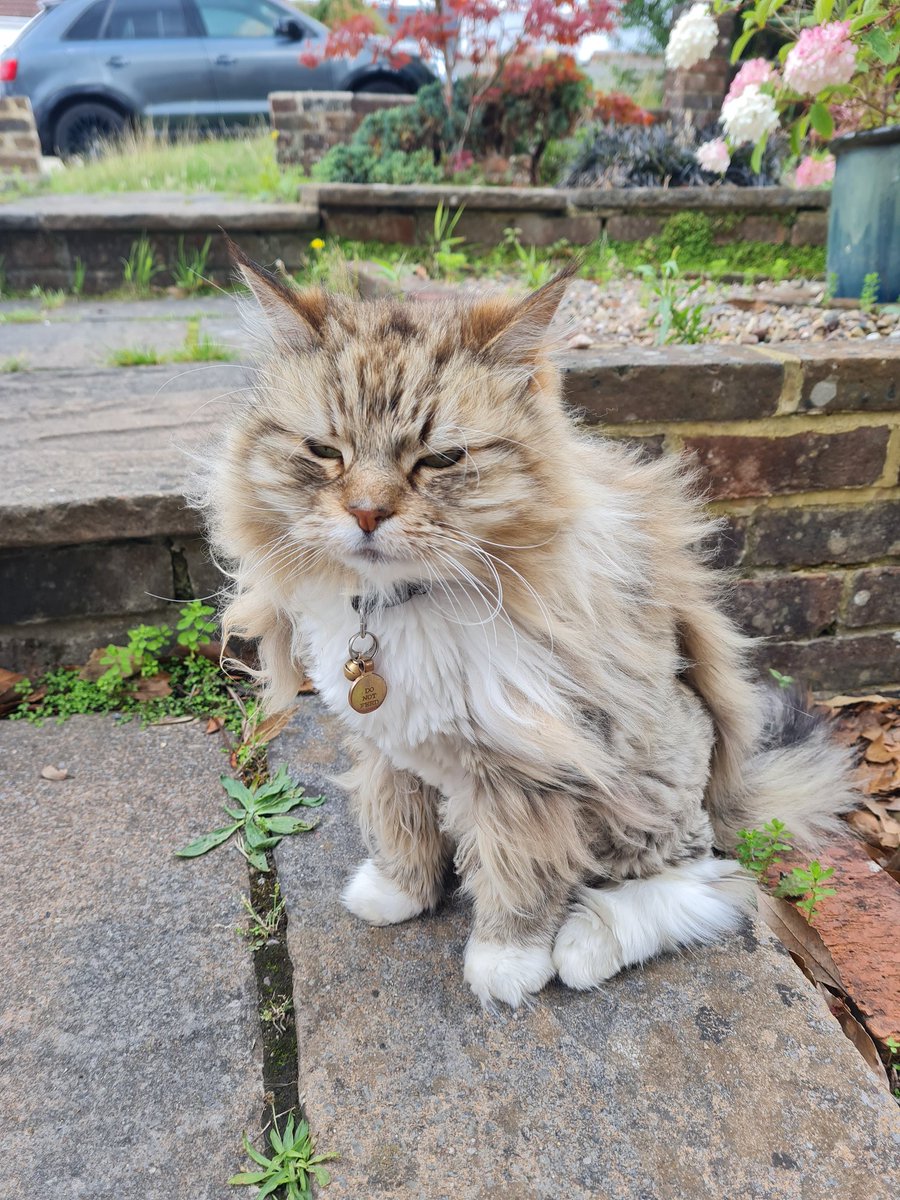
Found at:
[368, 518]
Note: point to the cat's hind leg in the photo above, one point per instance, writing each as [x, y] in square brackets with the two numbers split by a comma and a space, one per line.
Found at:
[623, 924]
[398, 816]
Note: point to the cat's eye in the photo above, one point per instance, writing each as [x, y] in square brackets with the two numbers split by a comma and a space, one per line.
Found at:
[446, 458]
[322, 451]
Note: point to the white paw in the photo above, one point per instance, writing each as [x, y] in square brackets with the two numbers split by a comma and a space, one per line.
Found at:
[586, 952]
[507, 973]
[377, 899]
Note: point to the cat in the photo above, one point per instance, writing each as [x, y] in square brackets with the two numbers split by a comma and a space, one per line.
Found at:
[569, 718]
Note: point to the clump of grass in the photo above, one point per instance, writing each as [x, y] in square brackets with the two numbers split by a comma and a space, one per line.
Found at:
[12, 366]
[196, 348]
[190, 267]
[135, 356]
[20, 316]
[293, 1165]
[139, 267]
[50, 298]
[142, 161]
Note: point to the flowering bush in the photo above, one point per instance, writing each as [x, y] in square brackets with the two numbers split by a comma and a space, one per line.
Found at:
[617, 107]
[837, 70]
[714, 157]
[813, 171]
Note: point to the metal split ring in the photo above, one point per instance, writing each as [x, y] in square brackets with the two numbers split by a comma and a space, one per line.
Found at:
[357, 654]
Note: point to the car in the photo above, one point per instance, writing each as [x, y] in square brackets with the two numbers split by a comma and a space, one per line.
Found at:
[92, 67]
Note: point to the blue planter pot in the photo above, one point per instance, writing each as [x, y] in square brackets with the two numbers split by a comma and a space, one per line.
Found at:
[864, 221]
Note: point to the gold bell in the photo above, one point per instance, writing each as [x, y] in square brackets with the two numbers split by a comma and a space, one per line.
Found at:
[353, 669]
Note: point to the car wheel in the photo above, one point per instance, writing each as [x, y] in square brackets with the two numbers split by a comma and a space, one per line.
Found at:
[84, 128]
[384, 87]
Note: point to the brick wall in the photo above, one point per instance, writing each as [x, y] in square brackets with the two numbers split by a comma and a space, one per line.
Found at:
[698, 92]
[20, 148]
[309, 123]
[800, 454]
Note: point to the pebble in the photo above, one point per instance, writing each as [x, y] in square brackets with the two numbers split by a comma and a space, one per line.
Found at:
[581, 341]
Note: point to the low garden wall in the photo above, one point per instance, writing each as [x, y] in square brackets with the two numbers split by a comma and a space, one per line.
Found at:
[20, 146]
[799, 449]
[44, 238]
[388, 213]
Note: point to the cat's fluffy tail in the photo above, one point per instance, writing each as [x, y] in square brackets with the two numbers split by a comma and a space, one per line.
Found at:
[796, 773]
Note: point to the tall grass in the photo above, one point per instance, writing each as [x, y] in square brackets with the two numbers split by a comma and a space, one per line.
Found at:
[242, 166]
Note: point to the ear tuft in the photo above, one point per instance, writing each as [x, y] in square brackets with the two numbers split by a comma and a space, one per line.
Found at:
[295, 318]
[517, 332]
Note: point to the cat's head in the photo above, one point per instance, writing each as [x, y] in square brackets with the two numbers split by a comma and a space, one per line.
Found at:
[399, 441]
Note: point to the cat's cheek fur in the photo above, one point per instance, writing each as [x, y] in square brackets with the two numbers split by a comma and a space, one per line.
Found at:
[510, 974]
[373, 897]
[626, 924]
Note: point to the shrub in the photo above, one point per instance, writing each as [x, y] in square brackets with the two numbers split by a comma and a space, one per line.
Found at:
[661, 155]
[691, 234]
[621, 109]
[362, 164]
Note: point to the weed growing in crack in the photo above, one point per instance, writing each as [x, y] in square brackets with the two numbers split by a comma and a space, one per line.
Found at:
[260, 820]
[263, 926]
[806, 887]
[760, 849]
[675, 320]
[276, 1012]
[293, 1165]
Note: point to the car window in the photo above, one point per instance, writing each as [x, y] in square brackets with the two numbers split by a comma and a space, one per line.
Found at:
[240, 18]
[143, 19]
[86, 28]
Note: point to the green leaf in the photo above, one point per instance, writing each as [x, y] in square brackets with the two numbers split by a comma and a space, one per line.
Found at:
[253, 1153]
[881, 46]
[823, 10]
[236, 814]
[756, 157]
[271, 1184]
[237, 791]
[741, 44]
[208, 842]
[322, 1176]
[820, 119]
[288, 825]
[247, 1177]
[256, 858]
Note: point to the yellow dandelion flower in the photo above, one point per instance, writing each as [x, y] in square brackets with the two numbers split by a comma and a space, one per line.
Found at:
[274, 135]
[317, 244]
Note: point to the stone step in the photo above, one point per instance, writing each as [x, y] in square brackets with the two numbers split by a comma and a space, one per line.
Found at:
[130, 1058]
[716, 1073]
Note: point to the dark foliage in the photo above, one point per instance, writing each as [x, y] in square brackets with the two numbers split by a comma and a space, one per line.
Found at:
[658, 156]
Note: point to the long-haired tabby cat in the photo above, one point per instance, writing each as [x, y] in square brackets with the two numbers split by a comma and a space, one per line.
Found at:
[567, 715]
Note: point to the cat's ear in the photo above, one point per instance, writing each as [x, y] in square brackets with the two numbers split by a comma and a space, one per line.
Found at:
[295, 318]
[517, 332]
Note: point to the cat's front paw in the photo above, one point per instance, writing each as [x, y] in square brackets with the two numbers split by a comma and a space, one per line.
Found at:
[509, 973]
[377, 899]
[586, 952]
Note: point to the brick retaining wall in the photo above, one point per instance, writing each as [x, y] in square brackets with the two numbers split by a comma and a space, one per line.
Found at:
[308, 124]
[20, 147]
[799, 448]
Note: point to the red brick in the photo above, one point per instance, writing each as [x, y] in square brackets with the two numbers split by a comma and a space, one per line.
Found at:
[874, 597]
[850, 378]
[760, 466]
[787, 606]
[837, 664]
[677, 383]
[811, 536]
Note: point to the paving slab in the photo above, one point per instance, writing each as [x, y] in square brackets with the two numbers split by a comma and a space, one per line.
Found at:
[130, 1059]
[718, 1073]
[98, 454]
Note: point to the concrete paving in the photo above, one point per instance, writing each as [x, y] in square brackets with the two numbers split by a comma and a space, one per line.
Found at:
[130, 1059]
[718, 1073]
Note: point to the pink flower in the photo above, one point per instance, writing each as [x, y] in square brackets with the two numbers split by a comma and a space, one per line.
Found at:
[754, 70]
[823, 57]
[713, 156]
[461, 161]
[813, 172]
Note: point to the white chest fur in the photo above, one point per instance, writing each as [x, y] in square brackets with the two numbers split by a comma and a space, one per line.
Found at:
[451, 669]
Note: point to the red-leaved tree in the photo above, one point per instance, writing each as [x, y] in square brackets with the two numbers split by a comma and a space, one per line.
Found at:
[473, 38]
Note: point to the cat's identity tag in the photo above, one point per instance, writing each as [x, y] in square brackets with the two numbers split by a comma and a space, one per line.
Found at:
[368, 692]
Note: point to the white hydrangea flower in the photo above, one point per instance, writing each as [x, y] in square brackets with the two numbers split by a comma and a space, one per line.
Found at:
[693, 38]
[750, 115]
[714, 157]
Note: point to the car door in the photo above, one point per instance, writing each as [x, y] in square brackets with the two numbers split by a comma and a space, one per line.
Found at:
[249, 60]
[151, 50]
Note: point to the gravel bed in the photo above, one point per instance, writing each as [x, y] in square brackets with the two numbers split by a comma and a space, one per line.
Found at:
[618, 313]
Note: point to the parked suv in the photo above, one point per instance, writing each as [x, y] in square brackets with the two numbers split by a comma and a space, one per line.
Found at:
[90, 67]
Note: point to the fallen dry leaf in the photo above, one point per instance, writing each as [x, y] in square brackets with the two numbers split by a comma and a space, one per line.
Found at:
[857, 1035]
[153, 688]
[798, 936]
[271, 727]
[214, 724]
[847, 701]
[56, 774]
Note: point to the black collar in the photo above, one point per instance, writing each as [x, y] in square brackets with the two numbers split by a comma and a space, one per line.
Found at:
[401, 593]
